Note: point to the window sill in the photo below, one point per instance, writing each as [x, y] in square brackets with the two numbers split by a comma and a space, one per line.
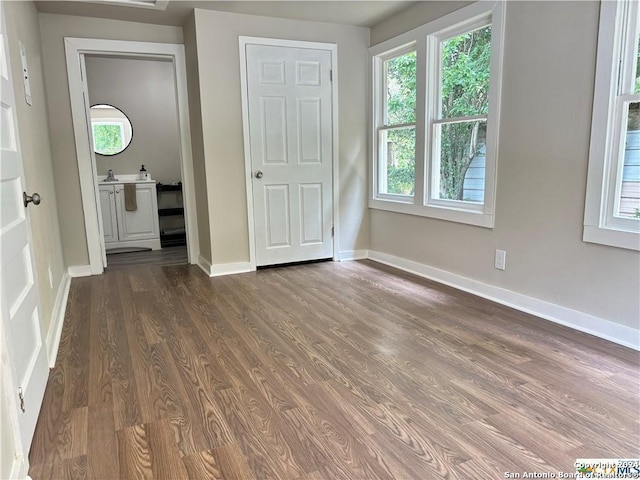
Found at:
[478, 219]
[612, 238]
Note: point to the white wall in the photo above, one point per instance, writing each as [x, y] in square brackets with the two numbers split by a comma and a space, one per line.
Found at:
[144, 89]
[219, 89]
[197, 138]
[53, 29]
[548, 82]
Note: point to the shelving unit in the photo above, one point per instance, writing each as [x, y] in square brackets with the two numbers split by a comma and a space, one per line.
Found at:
[172, 230]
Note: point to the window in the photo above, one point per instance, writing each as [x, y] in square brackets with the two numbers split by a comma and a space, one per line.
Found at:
[397, 133]
[108, 137]
[612, 207]
[460, 123]
[436, 108]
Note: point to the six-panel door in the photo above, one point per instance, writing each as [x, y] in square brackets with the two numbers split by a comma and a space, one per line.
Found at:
[290, 129]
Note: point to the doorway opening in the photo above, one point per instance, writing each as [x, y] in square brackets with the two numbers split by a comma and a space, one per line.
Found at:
[136, 138]
[136, 171]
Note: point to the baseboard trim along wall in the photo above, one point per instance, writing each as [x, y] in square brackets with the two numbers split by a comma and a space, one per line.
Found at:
[353, 255]
[599, 327]
[80, 271]
[220, 269]
[204, 265]
[57, 319]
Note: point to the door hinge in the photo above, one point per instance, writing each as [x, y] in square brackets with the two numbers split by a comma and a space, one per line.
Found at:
[332, 230]
[331, 75]
[21, 398]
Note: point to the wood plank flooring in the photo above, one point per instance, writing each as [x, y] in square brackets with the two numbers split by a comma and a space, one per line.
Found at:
[150, 258]
[331, 370]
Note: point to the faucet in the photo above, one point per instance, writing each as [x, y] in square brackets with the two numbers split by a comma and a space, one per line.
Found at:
[110, 177]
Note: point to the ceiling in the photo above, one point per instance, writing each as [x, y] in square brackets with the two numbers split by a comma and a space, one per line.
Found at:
[176, 12]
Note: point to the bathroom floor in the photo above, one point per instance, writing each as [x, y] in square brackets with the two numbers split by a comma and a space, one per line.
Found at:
[164, 257]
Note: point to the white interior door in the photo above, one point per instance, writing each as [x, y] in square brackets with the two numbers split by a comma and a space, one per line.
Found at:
[20, 310]
[290, 130]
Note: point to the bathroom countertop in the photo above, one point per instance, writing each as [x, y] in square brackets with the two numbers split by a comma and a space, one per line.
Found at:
[125, 178]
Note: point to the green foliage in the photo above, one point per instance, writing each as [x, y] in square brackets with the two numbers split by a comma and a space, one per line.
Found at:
[401, 89]
[401, 109]
[459, 144]
[465, 90]
[637, 213]
[402, 162]
[465, 74]
[107, 138]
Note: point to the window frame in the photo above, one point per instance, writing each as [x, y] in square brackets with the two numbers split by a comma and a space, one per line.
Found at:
[382, 126]
[615, 64]
[426, 40]
[110, 122]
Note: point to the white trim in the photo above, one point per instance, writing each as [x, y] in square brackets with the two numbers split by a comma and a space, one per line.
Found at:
[220, 269]
[57, 319]
[157, 5]
[75, 49]
[80, 271]
[20, 468]
[599, 224]
[348, 255]
[244, 93]
[584, 322]
[204, 265]
[469, 217]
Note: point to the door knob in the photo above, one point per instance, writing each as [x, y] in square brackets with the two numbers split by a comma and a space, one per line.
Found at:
[35, 198]
[259, 174]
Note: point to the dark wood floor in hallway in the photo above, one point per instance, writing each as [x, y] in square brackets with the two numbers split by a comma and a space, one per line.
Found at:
[330, 370]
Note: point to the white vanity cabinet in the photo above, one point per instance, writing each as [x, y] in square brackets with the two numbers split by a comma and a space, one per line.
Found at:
[122, 228]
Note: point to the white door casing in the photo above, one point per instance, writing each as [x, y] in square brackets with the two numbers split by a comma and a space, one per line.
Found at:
[289, 99]
[25, 357]
[75, 50]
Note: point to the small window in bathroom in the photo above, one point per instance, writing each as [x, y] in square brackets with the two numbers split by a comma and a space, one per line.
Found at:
[108, 137]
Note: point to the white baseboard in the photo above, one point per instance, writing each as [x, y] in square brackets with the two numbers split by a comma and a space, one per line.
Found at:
[80, 271]
[347, 255]
[584, 322]
[229, 268]
[57, 319]
[204, 265]
[222, 268]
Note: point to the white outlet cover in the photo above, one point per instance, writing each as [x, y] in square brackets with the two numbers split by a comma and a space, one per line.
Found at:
[501, 259]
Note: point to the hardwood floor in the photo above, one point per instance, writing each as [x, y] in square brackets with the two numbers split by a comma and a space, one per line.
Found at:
[148, 258]
[330, 370]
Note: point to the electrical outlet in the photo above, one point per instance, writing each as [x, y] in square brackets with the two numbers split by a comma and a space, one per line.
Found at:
[501, 260]
[50, 278]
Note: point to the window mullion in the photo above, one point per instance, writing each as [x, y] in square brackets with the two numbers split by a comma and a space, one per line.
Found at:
[452, 120]
[431, 113]
[421, 140]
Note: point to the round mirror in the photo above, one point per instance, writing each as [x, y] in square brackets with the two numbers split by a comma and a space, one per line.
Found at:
[112, 130]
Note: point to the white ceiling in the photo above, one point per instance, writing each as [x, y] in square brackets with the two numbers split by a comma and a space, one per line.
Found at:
[360, 13]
